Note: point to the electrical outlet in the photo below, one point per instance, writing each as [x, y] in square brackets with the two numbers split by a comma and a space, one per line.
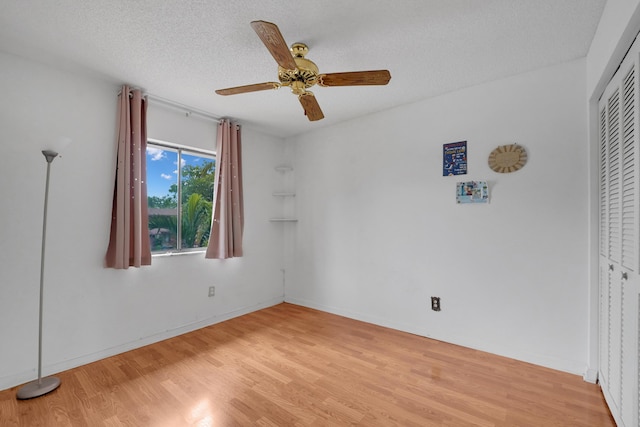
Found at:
[435, 303]
[212, 291]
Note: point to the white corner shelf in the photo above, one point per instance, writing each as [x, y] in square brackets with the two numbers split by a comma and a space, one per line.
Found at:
[284, 194]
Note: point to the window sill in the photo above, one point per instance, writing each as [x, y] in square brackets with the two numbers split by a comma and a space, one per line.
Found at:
[170, 254]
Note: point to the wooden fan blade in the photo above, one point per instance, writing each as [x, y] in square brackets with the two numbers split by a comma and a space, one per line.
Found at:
[248, 88]
[273, 40]
[355, 78]
[311, 106]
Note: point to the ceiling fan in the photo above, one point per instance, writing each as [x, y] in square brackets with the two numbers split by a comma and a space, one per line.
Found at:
[299, 73]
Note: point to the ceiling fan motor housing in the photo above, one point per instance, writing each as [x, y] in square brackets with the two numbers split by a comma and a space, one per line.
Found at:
[306, 74]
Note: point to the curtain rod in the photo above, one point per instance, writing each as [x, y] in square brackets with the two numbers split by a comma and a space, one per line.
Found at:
[189, 111]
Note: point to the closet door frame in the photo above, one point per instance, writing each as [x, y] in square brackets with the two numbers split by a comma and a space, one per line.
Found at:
[619, 240]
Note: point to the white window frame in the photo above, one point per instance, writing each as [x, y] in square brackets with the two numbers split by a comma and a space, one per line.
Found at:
[179, 148]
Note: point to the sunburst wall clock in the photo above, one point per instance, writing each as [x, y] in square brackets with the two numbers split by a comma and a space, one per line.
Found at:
[508, 158]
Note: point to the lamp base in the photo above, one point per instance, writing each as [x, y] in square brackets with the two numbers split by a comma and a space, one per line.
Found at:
[38, 388]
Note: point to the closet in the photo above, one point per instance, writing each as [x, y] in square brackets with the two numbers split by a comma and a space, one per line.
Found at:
[619, 241]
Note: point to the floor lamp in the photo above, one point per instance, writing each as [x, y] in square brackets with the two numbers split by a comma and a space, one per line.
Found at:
[42, 385]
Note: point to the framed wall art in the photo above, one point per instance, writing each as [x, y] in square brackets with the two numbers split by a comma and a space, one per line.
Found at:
[472, 192]
[454, 158]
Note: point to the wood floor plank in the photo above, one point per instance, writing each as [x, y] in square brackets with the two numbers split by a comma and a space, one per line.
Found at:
[293, 366]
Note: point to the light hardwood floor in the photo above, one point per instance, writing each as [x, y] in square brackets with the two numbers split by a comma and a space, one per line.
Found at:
[292, 366]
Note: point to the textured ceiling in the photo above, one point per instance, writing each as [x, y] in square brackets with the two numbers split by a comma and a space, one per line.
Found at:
[184, 50]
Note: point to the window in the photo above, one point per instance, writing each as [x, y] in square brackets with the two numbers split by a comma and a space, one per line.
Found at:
[175, 173]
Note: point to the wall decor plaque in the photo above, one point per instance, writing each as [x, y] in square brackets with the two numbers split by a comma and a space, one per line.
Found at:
[454, 158]
[508, 158]
[472, 192]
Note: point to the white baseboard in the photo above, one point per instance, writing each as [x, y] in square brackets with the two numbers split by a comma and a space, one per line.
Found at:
[536, 359]
[26, 376]
[590, 376]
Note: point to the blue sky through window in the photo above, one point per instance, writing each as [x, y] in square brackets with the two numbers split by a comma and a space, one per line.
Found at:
[162, 168]
[162, 171]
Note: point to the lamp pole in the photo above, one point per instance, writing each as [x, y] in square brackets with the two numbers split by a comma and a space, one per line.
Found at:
[41, 385]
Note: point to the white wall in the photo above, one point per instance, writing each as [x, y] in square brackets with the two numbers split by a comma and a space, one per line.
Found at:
[379, 230]
[92, 312]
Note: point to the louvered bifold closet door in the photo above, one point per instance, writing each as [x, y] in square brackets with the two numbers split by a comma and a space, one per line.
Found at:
[605, 266]
[629, 258]
[619, 246]
[614, 249]
[604, 171]
[628, 208]
[613, 177]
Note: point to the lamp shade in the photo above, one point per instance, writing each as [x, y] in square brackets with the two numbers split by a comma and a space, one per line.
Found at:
[57, 145]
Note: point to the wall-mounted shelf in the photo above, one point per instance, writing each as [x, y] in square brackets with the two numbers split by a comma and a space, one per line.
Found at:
[284, 194]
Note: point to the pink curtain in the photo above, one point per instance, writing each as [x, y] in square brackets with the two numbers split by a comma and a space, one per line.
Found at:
[225, 240]
[129, 240]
